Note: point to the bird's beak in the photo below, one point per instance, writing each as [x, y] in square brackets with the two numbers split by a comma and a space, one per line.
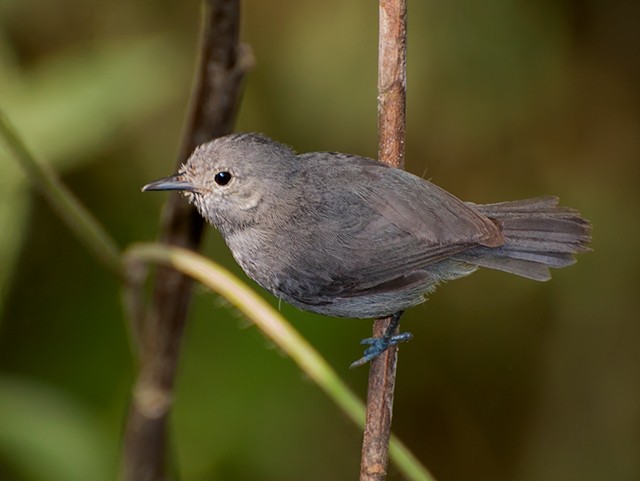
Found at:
[172, 182]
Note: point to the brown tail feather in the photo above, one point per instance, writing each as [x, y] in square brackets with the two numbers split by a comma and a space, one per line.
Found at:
[539, 234]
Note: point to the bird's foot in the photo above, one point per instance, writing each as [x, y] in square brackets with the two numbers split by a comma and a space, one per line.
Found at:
[378, 345]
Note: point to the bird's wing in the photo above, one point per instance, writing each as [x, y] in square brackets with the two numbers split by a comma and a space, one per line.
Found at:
[428, 212]
[402, 226]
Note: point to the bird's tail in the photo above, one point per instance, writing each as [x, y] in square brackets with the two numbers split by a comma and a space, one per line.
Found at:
[538, 234]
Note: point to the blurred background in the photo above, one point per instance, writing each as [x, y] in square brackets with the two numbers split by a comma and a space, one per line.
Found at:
[507, 379]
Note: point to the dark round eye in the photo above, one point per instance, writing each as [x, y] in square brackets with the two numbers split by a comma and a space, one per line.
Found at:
[222, 178]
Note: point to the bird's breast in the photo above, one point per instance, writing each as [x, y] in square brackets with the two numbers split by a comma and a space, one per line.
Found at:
[260, 254]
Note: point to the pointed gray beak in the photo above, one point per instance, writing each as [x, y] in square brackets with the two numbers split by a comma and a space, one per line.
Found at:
[172, 182]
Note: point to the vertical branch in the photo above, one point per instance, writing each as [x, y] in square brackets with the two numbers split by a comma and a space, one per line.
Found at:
[391, 130]
[392, 81]
[222, 64]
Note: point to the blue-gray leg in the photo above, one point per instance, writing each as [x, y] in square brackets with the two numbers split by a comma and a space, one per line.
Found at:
[377, 345]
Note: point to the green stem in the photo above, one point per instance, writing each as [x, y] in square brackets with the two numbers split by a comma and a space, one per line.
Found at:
[76, 216]
[279, 331]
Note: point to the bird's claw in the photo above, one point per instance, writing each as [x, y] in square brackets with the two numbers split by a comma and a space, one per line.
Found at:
[378, 345]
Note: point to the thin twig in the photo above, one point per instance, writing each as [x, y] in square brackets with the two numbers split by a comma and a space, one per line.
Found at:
[391, 130]
[223, 62]
[76, 215]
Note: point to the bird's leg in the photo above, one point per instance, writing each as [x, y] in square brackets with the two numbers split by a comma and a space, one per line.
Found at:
[377, 345]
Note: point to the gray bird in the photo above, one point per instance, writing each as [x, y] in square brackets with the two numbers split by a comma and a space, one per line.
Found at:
[349, 236]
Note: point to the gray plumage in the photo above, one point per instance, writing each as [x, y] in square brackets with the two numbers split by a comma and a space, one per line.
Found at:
[348, 236]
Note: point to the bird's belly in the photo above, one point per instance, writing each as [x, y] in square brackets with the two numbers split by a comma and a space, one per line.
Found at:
[312, 286]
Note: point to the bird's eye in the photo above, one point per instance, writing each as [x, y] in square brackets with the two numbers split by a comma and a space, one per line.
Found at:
[222, 178]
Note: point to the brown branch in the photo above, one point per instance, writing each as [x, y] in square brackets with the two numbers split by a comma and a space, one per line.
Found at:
[391, 130]
[222, 65]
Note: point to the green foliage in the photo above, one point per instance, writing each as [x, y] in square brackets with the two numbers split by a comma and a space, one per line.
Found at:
[47, 435]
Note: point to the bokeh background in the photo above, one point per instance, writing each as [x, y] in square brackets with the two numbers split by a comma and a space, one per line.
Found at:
[507, 379]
